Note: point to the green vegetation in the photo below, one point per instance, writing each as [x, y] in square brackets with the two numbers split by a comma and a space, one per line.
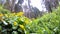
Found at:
[47, 24]
[4, 11]
[15, 23]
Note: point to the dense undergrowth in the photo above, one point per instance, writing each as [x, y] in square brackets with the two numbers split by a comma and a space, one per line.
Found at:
[17, 23]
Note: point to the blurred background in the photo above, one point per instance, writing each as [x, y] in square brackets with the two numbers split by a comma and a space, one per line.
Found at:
[31, 8]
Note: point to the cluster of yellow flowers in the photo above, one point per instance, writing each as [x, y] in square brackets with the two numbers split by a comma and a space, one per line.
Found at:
[23, 18]
[21, 26]
[20, 14]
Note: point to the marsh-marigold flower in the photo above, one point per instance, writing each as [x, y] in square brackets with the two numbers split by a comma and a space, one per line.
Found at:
[15, 23]
[20, 13]
[1, 15]
[26, 21]
[22, 27]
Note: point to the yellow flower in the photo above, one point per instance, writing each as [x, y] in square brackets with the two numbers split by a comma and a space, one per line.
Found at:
[1, 15]
[15, 23]
[20, 14]
[22, 27]
[6, 15]
[26, 21]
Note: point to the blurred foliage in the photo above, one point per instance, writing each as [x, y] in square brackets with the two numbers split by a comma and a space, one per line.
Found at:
[47, 24]
[17, 23]
[4, 11]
